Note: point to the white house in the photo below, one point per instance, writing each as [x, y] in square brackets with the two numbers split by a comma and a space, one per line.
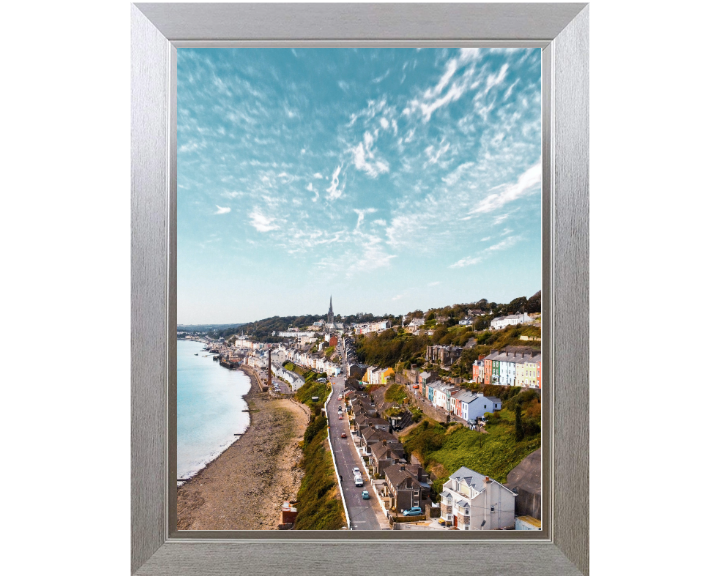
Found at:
[440, 396]
[474, 406]
[465, 322]
[512, 320]
[471, 501]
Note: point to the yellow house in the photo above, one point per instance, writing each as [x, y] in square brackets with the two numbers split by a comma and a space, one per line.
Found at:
[365, 378]
[386, 375]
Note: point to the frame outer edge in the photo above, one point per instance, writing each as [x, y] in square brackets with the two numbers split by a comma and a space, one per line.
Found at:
[391, 21]
[150, 55]
[149, 278]
[571, 293]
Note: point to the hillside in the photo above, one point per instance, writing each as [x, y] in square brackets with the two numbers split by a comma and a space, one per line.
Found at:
[444, 448]
[402, 349]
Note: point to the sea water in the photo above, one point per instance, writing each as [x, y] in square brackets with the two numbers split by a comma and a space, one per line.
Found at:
[209, 407]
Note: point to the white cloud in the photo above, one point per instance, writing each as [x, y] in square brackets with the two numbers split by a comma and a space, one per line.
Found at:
[368, 139]
[318, 176]
[434, 284]
[528, 182]
[381, 78]
[334, 192]
[450, 69]
[221, 210]
[361, 215]
[433, 158]
[507, 243]
[374, 256]
[262, 223]
[398, 296]
[361, 153]
[496, 79]
[309, 187]
[384, 123]
[455, 175]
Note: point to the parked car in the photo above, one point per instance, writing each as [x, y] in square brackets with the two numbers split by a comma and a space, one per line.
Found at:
[340, 416]
[414, 511]
[356, 471]
[359, 481]
[343, 435]
[365, 495]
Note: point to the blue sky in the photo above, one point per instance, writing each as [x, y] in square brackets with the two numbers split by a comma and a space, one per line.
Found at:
[393, 179]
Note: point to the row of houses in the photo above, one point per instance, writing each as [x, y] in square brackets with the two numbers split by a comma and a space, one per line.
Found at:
[295, 380]
[509, 368]
[314, 361]
[404, 485]
[375, 375]
[281, 354]
[371, 327]
[455, 400]
[513, 320]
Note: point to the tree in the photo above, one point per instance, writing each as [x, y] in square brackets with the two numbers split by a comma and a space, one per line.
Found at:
[519, 432]
[533, 303]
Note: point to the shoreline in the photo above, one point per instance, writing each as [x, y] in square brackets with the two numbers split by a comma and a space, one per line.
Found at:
[244, 487]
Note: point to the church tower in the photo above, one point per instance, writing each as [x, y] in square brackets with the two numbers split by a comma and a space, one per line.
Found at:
[331, 316]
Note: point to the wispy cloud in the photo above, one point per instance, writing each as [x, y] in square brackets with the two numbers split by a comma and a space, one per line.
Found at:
[221, 210]
[361, 215]
[434, 284]
[529, 181]
[334, 191]
[363, 157]
[318, 176]
[504, 245]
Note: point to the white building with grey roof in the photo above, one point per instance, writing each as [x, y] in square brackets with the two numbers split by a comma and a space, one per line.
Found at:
[472, 501]
[513, 320]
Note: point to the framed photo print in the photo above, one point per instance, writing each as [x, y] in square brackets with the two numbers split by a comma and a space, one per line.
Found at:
[360, 288]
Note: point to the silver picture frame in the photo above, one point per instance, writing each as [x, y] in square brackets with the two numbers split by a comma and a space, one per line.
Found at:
[561, 30]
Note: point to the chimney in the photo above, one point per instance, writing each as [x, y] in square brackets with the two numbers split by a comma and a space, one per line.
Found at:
[402, 467]
[384, 443]
[487, 479]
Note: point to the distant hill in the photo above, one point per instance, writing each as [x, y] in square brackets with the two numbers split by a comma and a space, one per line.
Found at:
[206, 327]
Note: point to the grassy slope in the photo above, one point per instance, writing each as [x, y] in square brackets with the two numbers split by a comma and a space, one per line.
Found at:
[312, 388]
[319, 506]
[443, 450]
[395, 393]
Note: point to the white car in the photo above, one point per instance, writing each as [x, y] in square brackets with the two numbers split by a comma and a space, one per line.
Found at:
[356, 471]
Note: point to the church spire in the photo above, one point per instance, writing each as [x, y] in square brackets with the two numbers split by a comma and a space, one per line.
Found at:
[331, 316]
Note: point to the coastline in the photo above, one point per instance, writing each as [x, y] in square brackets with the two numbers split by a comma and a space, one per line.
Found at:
[244, 487]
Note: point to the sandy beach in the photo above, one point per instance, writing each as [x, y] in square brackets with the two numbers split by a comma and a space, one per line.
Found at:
[244, 488]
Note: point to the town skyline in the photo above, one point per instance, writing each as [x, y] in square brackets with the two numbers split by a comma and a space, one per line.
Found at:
[397, 179]
[358, 312]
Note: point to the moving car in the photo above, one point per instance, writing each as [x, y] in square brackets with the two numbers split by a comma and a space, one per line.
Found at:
[414, 511]
[359, 481]
[356, 471]
[340, 416]
[343, 435]
[365, 495]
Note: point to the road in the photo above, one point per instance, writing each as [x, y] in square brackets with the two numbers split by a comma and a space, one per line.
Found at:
[364, 514]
